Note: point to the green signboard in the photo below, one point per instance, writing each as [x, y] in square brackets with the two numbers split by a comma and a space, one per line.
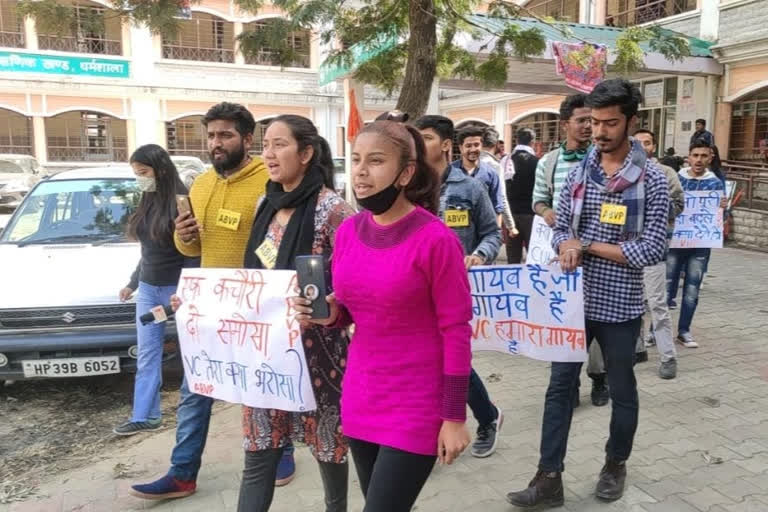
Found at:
[360, 55]
[21, 62]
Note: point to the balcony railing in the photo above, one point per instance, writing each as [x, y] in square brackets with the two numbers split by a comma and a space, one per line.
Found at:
[199, 54]
[81, 45]
[15, 147]
[87, 154]
[12, 39]
[266, 58]
[645, 11]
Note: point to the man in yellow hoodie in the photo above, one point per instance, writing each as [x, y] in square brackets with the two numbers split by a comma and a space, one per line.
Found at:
[224, 203]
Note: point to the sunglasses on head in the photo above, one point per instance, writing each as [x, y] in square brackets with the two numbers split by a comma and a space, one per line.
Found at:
[394, 115]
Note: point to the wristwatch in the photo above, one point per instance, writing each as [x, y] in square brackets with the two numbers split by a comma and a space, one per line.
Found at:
[585, 244]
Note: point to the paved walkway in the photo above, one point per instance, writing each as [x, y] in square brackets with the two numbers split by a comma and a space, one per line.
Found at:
[702, 444]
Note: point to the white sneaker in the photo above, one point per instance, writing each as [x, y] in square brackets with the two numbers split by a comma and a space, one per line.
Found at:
[686, 340]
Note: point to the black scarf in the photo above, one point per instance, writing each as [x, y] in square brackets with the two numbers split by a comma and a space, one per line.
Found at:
[299, 235]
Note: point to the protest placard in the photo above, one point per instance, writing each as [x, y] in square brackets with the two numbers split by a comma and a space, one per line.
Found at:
[533, 310]
[701, 223]
[540, 250]
[239, 339]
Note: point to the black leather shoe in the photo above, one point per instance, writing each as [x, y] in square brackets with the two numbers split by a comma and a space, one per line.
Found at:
[545, 490]
[610, 487]
[641, 357]
[600, 394]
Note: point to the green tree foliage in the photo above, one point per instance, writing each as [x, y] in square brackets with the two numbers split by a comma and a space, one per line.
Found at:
[334, 21]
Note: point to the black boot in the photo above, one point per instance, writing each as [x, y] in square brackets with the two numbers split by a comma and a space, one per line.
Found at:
[545, 489]
[610, 487]
[600, 393]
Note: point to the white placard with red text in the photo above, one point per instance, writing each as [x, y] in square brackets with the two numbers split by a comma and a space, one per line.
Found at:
[239, 339]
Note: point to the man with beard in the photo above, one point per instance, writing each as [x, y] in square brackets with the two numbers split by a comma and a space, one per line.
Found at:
[611, 221]
[551, 172]
[224, 203]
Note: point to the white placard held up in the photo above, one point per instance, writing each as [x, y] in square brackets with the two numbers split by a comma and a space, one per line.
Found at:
[533, 310]
[701, 223]
[239, 339]
[540, 250]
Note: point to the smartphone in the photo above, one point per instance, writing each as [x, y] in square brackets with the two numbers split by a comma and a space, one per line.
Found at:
[314, 276]
[184, 205]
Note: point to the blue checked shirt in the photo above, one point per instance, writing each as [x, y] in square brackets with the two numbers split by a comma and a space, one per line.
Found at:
[613, 292]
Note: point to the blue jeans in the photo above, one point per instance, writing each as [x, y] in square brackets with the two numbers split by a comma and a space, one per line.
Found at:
[694, 263]
[193, 418]
[617, 341]
[149, 364]
[482, 408]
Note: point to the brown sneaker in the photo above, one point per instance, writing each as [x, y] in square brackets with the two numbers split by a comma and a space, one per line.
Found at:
[610, 487]
[546, 489]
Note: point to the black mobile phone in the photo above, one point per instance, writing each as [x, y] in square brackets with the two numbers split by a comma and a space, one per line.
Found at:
[314, 277]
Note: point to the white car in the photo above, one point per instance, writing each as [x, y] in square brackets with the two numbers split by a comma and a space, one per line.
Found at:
[64, 259]
[189, 167]
[18, 174]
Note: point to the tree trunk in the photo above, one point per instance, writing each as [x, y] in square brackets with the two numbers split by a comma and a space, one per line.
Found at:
[421, 68]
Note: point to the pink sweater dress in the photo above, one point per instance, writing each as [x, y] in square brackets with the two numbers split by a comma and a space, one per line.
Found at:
[405, 288]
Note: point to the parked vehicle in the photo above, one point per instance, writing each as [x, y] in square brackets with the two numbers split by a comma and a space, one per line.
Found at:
[64, 259]
[189, 167]
[18, 174]
[340, 177]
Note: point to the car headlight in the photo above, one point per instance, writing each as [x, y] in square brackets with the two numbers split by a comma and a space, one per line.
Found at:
[3, 360]
[16, 186]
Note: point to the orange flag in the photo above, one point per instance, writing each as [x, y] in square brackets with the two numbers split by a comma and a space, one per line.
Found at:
[354, 123]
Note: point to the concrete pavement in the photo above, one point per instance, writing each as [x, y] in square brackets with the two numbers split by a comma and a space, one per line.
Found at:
[702, 443]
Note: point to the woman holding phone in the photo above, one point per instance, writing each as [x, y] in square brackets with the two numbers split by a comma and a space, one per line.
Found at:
[155, 277]
[298, 216]
[399, 275]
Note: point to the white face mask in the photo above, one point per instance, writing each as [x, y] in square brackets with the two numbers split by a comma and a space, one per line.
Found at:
[146, 183]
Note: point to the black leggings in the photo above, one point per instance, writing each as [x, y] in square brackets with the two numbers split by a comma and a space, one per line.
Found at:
[390, 479]
[258, 485]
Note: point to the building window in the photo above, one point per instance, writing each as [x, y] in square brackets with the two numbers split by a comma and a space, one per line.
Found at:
[84, 136]
[545, 125]
[627, 13]
[205, 38]
[11, 25]
[749, 127]
[299, 41]
[561, 10]
[187, 137]
[94, 30]
[15, 133]
[258, 136]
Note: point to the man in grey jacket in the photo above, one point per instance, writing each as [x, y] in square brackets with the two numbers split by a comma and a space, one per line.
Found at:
[655, 276]
[466, 208]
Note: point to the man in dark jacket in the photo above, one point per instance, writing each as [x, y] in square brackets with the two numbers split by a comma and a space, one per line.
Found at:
[520, 177]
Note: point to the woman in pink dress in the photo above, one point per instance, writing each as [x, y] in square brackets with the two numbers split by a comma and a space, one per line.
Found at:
[399, 276]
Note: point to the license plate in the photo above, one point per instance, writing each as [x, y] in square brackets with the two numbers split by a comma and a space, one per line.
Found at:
[71, 367]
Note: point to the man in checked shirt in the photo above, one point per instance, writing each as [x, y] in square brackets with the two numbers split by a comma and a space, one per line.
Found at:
[611, 221]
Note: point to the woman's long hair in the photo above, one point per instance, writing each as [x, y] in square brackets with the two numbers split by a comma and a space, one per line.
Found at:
[306, 134]
[161, 224]
[424, 188]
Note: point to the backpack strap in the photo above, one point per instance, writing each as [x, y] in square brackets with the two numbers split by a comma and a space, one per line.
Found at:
[550, 164]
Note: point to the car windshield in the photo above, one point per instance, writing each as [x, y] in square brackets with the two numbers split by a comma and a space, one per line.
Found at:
[71, 211]
[10, 167]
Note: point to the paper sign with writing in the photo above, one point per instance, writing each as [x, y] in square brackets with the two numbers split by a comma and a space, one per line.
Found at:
[239, 340]
[533, 310]
[701, 223]
[540, 246]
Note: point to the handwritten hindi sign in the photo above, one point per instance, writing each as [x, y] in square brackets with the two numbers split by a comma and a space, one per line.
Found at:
[701, 223]
[239, 339]
[540, 250]
[533, 310]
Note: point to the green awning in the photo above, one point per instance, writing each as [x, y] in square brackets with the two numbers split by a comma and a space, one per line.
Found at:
[606, 36]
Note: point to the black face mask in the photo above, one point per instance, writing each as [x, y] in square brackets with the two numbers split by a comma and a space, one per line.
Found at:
[382, 200]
